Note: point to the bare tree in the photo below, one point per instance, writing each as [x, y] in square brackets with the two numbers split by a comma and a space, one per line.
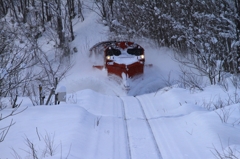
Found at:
[3, 8]
[4, 130]
[16, 62]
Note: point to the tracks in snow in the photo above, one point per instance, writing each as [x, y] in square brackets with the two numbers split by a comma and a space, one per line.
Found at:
[141, 141]
[126, 130]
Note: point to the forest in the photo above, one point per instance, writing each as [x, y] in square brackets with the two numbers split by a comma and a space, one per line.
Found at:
[204, 33]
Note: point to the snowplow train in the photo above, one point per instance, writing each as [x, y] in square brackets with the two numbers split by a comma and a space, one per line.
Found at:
[121, 58]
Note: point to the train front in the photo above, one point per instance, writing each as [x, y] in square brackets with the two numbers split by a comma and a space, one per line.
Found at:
[124, 59]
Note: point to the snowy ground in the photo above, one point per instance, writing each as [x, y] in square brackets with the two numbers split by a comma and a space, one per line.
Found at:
[101, 121]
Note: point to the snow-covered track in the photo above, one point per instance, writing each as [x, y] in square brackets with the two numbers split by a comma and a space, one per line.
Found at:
[151, 130]
[139, 134]
[126, 130]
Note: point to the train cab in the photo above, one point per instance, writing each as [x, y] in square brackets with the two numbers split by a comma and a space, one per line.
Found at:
[122, 58]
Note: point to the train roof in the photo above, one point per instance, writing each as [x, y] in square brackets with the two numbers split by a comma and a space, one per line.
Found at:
[115, 44]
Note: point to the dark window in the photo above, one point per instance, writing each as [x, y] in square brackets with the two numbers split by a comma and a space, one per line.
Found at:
[135, 51]
[112, 52]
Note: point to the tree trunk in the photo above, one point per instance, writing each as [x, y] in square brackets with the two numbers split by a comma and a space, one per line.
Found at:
[59, 24]
[238, 33]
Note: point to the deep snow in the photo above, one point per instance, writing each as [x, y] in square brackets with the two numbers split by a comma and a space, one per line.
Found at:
[101, 121]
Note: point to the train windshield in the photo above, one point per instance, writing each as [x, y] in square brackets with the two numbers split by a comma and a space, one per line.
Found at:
[112, 51]
[135, 51]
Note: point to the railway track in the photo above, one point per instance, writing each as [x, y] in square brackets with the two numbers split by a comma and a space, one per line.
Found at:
[141, 142]
[126, 130]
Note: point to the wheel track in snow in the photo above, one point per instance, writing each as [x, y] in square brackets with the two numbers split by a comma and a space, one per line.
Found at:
[150, 128]
[126, 128]
[144, 118]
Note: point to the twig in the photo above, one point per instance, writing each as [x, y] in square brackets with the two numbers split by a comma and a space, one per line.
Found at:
[38, 134]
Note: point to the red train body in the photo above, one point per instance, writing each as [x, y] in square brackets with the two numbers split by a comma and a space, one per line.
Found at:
[123, 58]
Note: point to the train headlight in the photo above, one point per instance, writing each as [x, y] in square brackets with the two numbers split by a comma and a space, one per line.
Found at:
[142, 57]
[108, 57]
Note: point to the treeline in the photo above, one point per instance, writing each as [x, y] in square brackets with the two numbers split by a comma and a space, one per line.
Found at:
[40, 15]
[205, 32]
[24, 62]
[209, 29]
